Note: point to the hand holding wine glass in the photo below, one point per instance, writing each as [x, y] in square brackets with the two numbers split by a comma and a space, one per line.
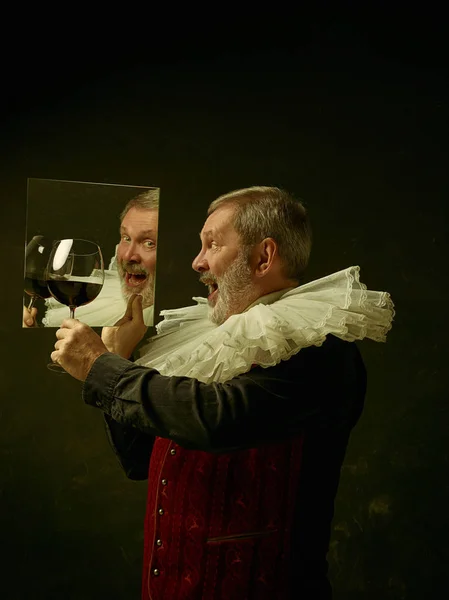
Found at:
[75, 274]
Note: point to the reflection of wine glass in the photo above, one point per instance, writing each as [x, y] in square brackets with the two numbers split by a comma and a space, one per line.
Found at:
[75, 274]
[37, 254]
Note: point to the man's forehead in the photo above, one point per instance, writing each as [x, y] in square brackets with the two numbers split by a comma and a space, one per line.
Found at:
[141, 230]
[144, 220]
[218, 223]
[210, 232]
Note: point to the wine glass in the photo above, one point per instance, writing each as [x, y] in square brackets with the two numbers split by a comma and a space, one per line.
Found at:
[37, 253]
[75, 275]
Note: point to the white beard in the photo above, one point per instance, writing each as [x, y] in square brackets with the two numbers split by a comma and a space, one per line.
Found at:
[147, 293]
[234, 290]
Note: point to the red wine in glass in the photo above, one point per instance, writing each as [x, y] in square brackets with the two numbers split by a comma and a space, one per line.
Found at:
[72, 292]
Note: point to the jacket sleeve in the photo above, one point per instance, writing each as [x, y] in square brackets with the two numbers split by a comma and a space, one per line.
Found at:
[319, 385]
[131, 447]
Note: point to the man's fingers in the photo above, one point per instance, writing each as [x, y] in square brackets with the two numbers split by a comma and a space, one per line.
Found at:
[67, 325]
[61, 333]
[122, 321]
[29, 316]
[70, 323]
[126, 317]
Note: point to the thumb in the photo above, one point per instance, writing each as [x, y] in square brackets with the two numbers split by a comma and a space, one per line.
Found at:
[129, 308]
[128, 312]
[137, 310]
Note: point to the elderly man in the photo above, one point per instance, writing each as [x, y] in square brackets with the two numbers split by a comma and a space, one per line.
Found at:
[132, 270]
[239, 412]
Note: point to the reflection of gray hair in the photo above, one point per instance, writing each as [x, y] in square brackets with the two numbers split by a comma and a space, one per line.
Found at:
[148, 200]
[262, 212]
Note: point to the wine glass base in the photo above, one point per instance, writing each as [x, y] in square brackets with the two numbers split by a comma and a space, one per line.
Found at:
[56, 368]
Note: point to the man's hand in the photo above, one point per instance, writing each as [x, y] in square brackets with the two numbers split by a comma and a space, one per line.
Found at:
[29, 317]
[77, 348]
[128, 331]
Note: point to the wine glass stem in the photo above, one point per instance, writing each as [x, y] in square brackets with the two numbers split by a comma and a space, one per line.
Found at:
[72, 311]
[32, 301]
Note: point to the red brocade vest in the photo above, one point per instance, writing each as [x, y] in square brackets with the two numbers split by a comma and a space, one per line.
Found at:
[218, 526]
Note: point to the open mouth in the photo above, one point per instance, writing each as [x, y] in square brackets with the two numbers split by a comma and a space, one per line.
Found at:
[213, 290]
[133, 280]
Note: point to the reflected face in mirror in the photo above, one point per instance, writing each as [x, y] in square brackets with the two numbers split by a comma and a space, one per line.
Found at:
[136, 253]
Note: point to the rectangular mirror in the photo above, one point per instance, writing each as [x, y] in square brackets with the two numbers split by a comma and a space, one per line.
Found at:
[88, 247]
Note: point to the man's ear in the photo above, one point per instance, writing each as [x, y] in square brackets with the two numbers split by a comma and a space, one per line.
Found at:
[265, 256]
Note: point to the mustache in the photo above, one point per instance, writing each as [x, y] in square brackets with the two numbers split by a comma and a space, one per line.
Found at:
[208, 278]
[133, 268]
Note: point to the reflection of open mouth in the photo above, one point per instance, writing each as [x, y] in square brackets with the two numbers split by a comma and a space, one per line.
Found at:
[134, 280]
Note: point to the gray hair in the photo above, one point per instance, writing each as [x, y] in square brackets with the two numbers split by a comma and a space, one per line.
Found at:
[262, 212]
[147, 200]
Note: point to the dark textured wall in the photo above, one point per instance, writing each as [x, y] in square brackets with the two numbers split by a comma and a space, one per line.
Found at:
[350, 118]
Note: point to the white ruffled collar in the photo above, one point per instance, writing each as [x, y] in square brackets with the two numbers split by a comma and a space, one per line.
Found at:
[274, 328]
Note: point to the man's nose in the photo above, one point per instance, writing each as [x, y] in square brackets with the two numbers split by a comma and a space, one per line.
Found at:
[200, 263]
[131, 253]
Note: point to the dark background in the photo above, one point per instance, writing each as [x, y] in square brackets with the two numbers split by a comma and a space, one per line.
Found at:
[347, 111]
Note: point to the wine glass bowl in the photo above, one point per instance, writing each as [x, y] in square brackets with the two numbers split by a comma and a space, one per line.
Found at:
[75, 272]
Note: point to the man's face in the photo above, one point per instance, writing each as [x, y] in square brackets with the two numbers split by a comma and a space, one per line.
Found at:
[136, 254]
[224, 266]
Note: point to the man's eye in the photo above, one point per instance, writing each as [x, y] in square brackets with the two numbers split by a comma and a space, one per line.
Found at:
[125, 238]
[149, 244]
